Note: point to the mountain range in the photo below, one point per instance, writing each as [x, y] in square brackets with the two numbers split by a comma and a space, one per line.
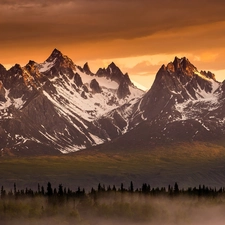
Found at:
[59, 107]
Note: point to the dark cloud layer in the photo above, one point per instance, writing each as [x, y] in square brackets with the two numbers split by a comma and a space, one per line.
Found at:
[105, 19]
[111, 28]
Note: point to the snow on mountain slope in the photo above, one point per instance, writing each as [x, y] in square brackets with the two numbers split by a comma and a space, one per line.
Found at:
[107, 83]
[82, 100]
[54, 104]
[183, 104]
[59, 106]
[207, 100]
[177, 84]
[45, 66]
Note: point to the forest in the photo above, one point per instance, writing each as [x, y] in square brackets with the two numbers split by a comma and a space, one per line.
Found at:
[112, 205]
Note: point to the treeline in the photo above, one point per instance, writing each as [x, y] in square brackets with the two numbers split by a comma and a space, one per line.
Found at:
[145, 189]
[107, 204]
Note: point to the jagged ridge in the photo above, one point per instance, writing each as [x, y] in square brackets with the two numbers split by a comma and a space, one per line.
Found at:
[55, 104]
[59, 106]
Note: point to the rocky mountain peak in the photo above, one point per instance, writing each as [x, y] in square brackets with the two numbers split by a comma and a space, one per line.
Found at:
[57, 64]
[15, 71]
[32, 75]
[181, 72]
[177, 83]
[113, 73]
[31, 63]
[113, 69]
[208, 74]
[56, 54]
[12, 76]
[113, 66]
[176, 62]
[182, 65]
[101, 72]
[2, 71]
[59, 60]
[31, 66]
[2, 68]
[86, 69]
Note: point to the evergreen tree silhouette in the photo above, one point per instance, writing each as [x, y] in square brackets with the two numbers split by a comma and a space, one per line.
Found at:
[39, 190]
[3, 192]
[42, 190]
[131, 187]
[176, 188]
[14, 188]
[114, 188]
[60, 191]
[49, 189]
[121, 187]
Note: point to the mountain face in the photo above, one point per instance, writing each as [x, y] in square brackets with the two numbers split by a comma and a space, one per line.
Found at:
[183, 104]
[57, 106]
[53, 106]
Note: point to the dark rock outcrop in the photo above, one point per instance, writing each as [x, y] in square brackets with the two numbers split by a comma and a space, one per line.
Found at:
[87, 70]
[2, 92]
[94, 85]
[123, 90]
[78, 80]
[102, 72]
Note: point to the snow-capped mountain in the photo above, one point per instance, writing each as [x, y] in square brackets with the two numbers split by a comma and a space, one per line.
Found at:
[54, 105]
[183, 104]
[58, 106]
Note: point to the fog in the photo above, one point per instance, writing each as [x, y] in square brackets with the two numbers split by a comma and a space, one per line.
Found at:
[114, 209]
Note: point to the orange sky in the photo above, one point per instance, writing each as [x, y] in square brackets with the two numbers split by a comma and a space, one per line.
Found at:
[138, 35]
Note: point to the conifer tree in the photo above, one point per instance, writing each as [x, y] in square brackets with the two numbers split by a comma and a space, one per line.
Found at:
[39, 191]
[131, 187]
[3, 192]
[114, 188]
[14, 188]
[49, 189]
[60, 191]
[121, 187]
[176, 188]
[42, 190]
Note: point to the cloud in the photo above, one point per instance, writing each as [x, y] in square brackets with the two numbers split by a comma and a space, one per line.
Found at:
[89, 30]
[143, 68]
[112, 19]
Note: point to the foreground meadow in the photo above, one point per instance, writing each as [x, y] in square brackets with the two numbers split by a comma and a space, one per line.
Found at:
[188, 164]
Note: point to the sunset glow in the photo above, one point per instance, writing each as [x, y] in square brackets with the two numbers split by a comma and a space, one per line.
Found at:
[139, 36]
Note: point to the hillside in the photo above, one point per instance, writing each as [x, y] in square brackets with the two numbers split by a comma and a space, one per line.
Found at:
[59, 107]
